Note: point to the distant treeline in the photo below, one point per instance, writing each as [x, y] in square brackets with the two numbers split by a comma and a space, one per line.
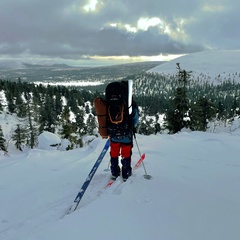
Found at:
[154, 92]
[70, 113]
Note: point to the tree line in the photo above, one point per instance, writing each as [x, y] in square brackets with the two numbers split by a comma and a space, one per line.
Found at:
[184, 101]
[69, 111]
[57, 109]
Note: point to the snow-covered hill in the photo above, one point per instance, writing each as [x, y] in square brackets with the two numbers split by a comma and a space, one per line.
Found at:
[193, 194]
[213, 66]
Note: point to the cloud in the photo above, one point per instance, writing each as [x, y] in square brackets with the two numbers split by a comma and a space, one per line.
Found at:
[76, 29]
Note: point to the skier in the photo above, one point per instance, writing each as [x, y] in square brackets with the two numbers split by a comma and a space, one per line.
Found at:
[121, 127]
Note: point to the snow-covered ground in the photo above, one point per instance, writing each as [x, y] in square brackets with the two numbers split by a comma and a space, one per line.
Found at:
[213, 66]
[193, 194]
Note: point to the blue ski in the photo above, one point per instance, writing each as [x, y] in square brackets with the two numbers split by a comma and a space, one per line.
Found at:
[89, 178]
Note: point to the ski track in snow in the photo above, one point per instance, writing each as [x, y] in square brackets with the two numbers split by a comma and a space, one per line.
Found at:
[193, 193]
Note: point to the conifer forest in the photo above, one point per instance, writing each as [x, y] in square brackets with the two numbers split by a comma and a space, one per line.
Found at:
[179, 100]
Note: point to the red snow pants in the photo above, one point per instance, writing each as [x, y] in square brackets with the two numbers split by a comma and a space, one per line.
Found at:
[120, 149]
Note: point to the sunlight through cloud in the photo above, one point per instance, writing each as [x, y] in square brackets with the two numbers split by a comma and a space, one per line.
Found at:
[130, 28]
[145, 23]
[91, 6]
[127, 58]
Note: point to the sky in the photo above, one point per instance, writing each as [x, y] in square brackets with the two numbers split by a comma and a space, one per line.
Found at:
[88, 31]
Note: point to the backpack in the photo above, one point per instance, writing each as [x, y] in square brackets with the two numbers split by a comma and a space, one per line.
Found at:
[119, 122]
[101, 112]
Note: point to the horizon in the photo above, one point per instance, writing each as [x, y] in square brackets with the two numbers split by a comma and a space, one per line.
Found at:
[96, 61]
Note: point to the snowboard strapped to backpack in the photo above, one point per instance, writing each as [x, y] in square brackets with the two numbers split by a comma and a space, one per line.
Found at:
[119, 122]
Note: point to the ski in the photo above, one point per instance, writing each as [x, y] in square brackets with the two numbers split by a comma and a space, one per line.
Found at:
[89, 178]
[113, 182]
[110, 182]
[139, 161]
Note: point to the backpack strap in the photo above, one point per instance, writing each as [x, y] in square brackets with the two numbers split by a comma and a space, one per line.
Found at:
[116, 113]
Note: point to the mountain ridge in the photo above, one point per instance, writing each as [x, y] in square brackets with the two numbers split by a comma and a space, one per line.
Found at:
[211, 65]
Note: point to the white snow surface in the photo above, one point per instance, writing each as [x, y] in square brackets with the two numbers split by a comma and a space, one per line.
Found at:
[193, 194]
[214, 66]
[48, 140]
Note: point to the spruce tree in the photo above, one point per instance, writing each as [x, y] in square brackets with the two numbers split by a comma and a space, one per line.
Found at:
[157, 125]
[177, 114]
[1, 106]
[2, 141]
[67, 126]
[58, 103]
[19, 137]
[81, 126]
[48, 116]
[32, 128]
[91, 124]
[202, 112]
[21, 108]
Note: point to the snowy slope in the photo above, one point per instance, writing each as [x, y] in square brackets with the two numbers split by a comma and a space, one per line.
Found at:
[193, 194]
[213, 66]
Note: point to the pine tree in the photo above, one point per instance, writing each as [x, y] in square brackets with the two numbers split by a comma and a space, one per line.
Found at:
[81, 126]
[2, 141]
[1, 106]
[67, 128]
[196, 115]
[201, 113]
[58, 103]
[91, 124]
[10, 101]
[177, 115]
[48, 116]
[157, 125]
[19, 137]
[18, 96]
[87, 109]
[146, 126]
[32, 128]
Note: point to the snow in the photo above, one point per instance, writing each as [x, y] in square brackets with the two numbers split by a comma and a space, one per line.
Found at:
[193, 194]
[48, 140]
[214, 66]
[70, 83]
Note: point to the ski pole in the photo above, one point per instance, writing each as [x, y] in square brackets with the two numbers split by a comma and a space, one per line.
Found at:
[108, 168]
[147, 176]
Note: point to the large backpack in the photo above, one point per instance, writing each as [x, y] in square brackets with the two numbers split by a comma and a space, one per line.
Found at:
[101, 112]
[119, 122]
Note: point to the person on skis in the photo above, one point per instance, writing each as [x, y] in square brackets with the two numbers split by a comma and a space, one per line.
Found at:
[121, 126]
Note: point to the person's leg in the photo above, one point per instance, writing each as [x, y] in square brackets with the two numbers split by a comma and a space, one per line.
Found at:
[126, 152]
[114, 153]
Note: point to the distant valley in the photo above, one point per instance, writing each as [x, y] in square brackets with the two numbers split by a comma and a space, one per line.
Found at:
[65, 74]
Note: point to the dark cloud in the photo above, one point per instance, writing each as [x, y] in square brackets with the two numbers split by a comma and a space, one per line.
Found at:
[62, 29]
